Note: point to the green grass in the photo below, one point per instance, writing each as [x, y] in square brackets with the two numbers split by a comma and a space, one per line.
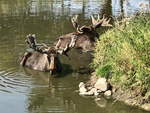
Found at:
[122, 54]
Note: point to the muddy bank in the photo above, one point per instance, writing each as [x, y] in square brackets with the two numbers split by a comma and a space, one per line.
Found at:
[98, 86]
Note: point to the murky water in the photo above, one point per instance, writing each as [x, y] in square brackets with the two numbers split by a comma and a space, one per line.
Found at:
[26, 91]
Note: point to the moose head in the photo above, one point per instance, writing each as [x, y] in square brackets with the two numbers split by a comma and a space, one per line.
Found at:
[40, 56]
[83, 38]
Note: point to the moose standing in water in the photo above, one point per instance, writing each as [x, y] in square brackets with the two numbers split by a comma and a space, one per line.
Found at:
[83, 38]
[40, 56]
[43, 58]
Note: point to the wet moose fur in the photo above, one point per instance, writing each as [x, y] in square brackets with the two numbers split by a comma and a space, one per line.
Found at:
[84, 38]
[40, 58]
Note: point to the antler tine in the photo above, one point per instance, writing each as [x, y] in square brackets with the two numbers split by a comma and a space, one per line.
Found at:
[98, 17]
[76, 17]
[104, 16]
[93, 20]
[98, 20]
[103, 19]
[106, 22]
[74, 21]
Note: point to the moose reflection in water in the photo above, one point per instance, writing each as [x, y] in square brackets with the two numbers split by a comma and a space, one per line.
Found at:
[84, 37]
[40, 56]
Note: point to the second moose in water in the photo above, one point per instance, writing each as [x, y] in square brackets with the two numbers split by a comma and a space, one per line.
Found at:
[40, 56]
[84, 38]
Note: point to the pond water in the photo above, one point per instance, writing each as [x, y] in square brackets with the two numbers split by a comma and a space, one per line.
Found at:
[26, 91]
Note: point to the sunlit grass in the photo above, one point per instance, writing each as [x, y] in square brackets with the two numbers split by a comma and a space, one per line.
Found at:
[122, 54]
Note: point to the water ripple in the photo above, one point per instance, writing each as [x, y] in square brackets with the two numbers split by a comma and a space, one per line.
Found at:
[11, 82]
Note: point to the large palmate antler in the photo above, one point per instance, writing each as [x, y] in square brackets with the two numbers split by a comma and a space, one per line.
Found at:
[100, 22]
[79, 29]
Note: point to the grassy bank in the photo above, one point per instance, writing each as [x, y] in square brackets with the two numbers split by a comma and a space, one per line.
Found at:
[122, 54]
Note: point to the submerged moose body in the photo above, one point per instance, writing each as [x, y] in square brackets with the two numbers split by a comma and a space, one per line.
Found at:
[41, 62]
[40, 58]
[84, 38]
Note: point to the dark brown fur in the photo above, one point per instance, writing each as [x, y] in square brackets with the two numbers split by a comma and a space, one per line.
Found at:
[40, 56]
[41, 62]
[84, 41]
[85, 36]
